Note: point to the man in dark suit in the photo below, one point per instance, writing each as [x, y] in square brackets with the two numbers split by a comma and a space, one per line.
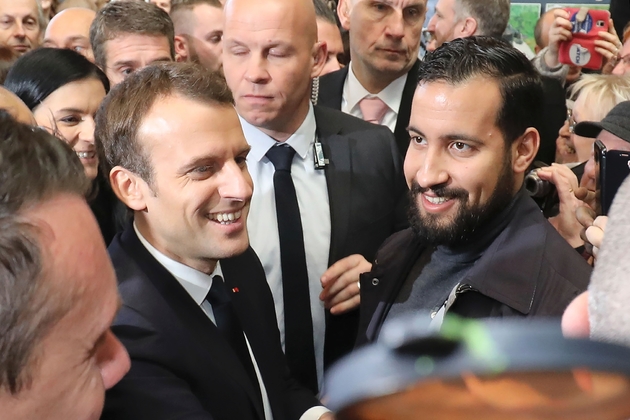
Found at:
[197, 315]
[382, 76]
[328, 186]
[478, 245]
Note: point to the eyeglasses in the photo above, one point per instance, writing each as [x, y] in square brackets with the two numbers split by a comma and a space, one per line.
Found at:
[571, 120]
[625, 60]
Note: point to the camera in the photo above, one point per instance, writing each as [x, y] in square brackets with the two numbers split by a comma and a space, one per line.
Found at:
[543, 192]
[537, 187]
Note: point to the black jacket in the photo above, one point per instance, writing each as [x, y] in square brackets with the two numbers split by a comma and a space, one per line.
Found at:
[528, 270]
[181, 365]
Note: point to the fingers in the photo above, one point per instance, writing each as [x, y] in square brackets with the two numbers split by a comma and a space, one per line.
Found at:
[341, 283]
[595, 236]
[585, 215]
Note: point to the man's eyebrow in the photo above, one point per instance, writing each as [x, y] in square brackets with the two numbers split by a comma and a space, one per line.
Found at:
[162, 60]
[73, 110]
[125, 63]
[78, 38]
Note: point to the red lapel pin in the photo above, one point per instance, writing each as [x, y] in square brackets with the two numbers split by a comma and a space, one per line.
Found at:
[235, 290]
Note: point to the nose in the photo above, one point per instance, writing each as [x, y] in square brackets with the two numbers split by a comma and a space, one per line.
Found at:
[236, 183]
[431, 169]
[431, 26]
[113, 360]
[87, 130]
[564, 130]
[256, 71]
[396, 25]
[620, 69]
[588, 179]
[19, 30]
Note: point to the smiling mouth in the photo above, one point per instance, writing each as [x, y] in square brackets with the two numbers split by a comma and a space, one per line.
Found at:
[436, 200]
[226, 218]
[86, 155]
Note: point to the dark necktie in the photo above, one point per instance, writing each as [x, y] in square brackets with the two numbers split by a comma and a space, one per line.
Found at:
[298, 323]
[230, 327]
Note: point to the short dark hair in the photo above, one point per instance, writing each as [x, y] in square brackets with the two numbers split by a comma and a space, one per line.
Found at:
[492, 16]
[520, 85]
[36, 166]
[122, 112]
[38, 73]
[177, 5]
[128, 17]
[324, 12]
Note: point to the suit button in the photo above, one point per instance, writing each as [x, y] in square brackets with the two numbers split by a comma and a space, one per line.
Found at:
[375, 282]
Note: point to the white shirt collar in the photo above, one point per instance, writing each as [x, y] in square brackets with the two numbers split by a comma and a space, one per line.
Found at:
[301, 141]
[391, 95]
[196, 283]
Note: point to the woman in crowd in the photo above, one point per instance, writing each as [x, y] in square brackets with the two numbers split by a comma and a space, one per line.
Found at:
[594, 96]
[64, 90]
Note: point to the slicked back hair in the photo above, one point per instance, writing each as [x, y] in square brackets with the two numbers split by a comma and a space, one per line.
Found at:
[122, 112]
[36, 166]
[324, 12]
[492, 16]
[126, 18]
[463, 59]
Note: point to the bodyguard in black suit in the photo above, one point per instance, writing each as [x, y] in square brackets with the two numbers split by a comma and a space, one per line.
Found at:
[331, 95]
[328, 186]
[197, 315]
[383, 49]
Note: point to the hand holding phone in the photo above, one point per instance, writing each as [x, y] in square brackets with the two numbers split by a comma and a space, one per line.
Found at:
[611, 169]
[580, 50]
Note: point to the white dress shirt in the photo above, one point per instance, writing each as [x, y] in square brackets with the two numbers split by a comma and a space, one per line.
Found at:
[262, 224]
[198, 284]
[353, 92]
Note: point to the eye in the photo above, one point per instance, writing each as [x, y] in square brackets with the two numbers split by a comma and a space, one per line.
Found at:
[419, 140]
[461, 147]
[241, 161]
[78, 48]
[237, 51]
[277, 52]
[30, 23]
[126, 71]
[70, 120]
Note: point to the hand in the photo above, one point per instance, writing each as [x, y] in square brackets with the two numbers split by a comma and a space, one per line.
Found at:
[608, 46]
[595, 233]
[327, 416]
[566, 182]
[560, 31]
[341, 284]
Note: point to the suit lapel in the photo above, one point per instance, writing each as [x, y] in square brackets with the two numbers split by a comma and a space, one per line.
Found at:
[191, 315]
[404, 111]
[331, 88]
[338, 180]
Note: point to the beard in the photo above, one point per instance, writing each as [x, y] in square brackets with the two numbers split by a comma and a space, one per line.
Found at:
[468, 220]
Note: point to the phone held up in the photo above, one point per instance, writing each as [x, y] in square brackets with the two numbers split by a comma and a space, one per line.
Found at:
[580, 50]
[611, 169]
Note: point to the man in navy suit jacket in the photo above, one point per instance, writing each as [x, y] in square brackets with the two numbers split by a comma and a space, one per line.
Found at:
[175, 154]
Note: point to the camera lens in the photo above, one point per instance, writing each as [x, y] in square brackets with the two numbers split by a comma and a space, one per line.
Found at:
[535, 186]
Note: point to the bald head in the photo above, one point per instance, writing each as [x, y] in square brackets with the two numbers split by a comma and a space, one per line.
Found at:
[270, 54]
[541, 31]
[71, 29]
[299, 13]
[14, 106]
[86, 4]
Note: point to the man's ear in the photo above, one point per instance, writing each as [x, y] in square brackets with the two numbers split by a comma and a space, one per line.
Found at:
[469, 28]
[524, 150]
[129, 188]
[181, 48]
[320, 53]
[343, 12]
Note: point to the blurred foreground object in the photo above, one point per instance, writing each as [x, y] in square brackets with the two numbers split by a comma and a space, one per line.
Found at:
[507, 369]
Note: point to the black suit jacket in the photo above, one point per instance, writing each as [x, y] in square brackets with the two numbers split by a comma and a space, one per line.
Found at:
[367, 194]
[181, 366]
[331, 92]
[528, 270]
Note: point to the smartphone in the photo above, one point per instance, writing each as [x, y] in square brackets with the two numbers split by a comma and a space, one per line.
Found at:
[611, 169]
[580, 50]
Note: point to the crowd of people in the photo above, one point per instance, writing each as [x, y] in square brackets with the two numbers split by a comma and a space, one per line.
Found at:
[204, 204]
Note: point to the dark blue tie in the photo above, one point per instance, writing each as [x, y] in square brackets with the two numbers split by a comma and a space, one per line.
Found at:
[230, 327]
[298, 323]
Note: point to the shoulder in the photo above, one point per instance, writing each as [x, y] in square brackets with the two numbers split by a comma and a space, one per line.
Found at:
[346, 124]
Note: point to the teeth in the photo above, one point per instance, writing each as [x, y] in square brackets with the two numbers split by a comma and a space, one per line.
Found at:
[436, 200]
[85, 155]
[226, 218]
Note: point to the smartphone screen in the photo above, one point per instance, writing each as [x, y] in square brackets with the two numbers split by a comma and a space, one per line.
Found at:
[614, 167]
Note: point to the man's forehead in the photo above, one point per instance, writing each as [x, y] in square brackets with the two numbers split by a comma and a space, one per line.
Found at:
[22, 7]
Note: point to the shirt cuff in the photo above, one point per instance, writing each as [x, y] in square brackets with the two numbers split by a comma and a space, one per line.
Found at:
[314, 413]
